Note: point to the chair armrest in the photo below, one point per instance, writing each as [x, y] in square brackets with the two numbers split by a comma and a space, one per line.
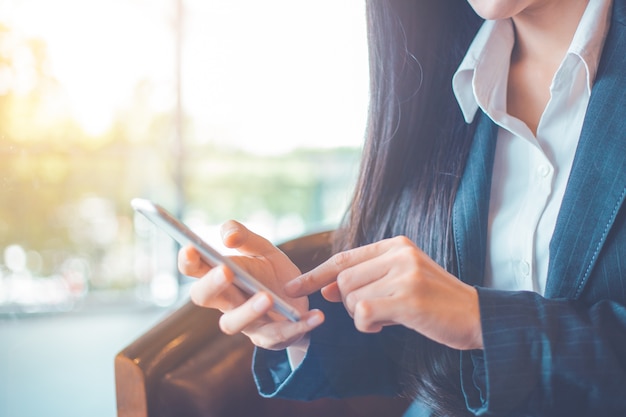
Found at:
[185, 366]
[142, 364]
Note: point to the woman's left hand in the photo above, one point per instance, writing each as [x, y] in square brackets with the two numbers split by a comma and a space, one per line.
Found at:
[394, 282]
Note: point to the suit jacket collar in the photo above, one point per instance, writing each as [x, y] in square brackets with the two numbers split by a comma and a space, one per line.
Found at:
[595, 190]
[471, 205]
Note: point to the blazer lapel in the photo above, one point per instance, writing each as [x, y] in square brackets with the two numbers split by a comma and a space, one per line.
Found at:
[471, 205]
[597, 183]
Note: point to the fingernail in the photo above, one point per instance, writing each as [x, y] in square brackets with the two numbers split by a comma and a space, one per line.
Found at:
[315, 320]
[228, 232]
[228, 228]
[262, 303]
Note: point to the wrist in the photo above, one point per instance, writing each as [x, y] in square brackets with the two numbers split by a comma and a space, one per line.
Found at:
[297, 351]
[476, 331]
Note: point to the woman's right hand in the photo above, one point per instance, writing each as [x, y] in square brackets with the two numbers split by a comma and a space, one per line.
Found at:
[252, 316]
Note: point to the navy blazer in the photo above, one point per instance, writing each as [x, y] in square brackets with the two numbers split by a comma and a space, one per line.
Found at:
[563, 354]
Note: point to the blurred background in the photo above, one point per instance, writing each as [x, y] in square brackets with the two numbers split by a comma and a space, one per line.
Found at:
[216, 109]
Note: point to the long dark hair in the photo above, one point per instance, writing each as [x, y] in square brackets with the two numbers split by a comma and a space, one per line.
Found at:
[414, 155]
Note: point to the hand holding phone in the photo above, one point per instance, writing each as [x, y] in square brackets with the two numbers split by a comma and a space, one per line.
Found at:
[185, 236]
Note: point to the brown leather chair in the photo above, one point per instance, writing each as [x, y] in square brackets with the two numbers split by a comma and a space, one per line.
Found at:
[185, 366]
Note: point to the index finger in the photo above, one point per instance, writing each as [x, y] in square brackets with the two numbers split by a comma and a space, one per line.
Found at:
[324, 274]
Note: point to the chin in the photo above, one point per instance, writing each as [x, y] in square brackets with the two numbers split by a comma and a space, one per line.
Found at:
[495, 9]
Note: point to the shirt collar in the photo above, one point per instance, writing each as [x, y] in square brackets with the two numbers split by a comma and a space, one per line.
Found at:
[590, 36]
[487, 59]
[484, 65]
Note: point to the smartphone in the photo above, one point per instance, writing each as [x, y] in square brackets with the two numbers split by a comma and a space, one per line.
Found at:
[183, 235]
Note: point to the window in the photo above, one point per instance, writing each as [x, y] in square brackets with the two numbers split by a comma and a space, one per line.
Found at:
[217, 109]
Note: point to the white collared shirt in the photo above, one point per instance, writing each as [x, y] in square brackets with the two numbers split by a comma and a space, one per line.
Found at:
[530, 173]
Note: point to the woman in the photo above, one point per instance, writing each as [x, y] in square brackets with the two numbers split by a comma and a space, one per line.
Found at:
[480, 264]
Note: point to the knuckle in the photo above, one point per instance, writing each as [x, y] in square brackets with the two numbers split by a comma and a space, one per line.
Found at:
[408, 252]
[409, 285]
[365, 320]
[410, 256]
[363, 311]
[403, 241]
[417, 280]
[308, 280]
[351, 301]
[343, 280]
[340, 259]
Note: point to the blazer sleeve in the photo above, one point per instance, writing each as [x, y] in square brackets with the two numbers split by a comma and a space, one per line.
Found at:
[340, 362]
[546, 357]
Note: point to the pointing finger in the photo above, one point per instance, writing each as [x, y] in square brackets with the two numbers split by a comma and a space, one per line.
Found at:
[327, 272]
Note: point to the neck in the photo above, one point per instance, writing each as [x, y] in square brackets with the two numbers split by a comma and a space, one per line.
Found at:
[544, 32]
